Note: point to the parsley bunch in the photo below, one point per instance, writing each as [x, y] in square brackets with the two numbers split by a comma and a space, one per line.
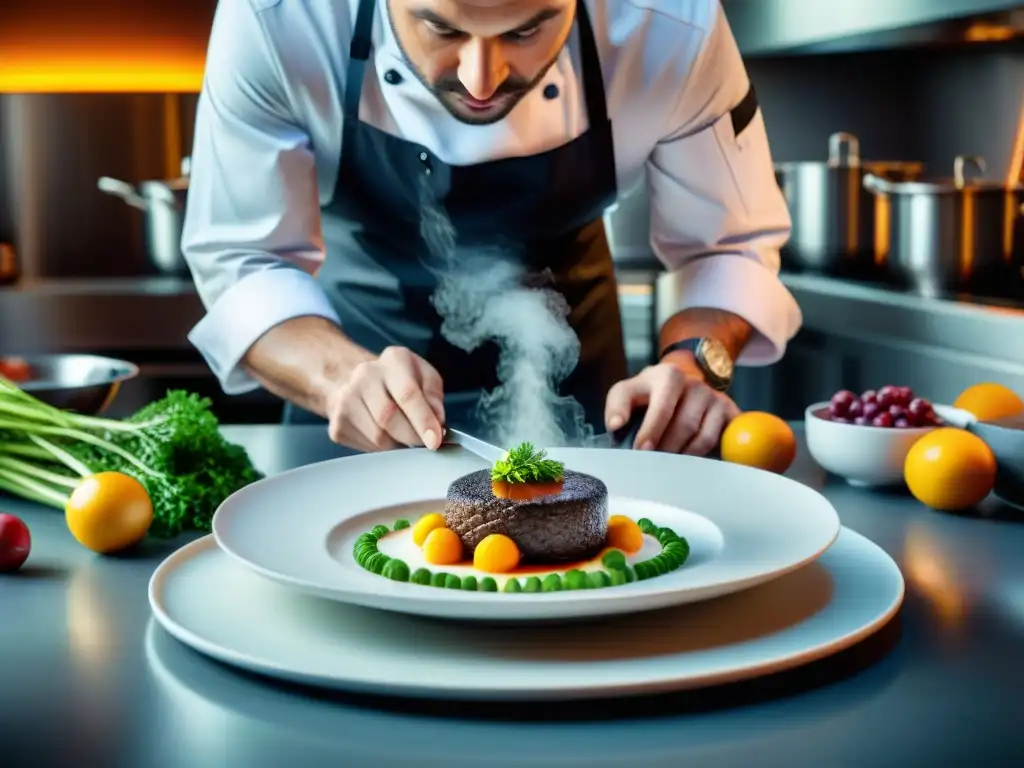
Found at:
[525, 464]
[172, 446]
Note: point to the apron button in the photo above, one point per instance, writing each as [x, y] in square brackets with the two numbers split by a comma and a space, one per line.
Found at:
[425, 159]
[392, 77]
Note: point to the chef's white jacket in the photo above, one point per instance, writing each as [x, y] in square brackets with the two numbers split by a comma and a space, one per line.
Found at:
[268, 139]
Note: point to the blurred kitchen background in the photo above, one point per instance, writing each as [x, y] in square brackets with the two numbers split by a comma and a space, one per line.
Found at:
[915, 281]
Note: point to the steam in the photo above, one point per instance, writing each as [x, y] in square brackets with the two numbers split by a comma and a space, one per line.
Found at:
[484, 295]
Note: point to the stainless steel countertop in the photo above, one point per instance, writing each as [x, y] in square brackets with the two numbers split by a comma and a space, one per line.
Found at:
[86, 673]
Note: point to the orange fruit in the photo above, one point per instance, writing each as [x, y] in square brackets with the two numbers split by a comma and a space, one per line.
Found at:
[442, 547]
[989, 401]
[496, 554]
[108, 512]
[950, 469]
[624, 534]
[758, 439]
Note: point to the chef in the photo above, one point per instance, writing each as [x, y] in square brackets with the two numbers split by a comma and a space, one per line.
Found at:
[327, 131]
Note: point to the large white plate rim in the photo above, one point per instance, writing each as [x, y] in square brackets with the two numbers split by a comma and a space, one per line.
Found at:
[778, 662]
[360, 587]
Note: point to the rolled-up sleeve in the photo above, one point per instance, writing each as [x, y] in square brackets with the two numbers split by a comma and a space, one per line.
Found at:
[252, 230]
[718, 217]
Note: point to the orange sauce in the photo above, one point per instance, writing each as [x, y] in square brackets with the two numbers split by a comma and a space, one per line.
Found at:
[526, 491]
[532, 569]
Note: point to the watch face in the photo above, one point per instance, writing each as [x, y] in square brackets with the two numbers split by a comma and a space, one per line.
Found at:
[716, 358]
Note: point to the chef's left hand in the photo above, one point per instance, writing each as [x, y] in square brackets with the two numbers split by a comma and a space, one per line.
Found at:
[684, 414]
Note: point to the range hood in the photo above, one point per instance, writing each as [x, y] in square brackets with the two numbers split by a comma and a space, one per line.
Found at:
[786, 27]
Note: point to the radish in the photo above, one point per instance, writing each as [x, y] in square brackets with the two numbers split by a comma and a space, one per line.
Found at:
[15, 543]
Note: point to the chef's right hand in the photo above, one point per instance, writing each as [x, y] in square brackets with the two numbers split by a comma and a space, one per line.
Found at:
[391, 401]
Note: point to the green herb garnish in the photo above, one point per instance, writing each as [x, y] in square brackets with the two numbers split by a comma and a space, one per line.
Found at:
[525, 464]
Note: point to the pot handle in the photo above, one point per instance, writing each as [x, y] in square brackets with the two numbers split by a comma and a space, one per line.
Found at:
[124, 190]
[843, 150]
[961, 162]
[876, 184]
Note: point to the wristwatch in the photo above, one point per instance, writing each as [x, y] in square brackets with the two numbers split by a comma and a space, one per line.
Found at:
[712, 358]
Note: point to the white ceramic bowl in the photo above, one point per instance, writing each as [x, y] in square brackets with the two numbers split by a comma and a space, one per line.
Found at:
[862, 455]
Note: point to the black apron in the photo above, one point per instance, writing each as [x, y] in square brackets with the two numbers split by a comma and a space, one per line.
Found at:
[544, 212]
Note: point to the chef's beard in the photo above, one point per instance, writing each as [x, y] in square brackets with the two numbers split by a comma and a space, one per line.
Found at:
[448, 89]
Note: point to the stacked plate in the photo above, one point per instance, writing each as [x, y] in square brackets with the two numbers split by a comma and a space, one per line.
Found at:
[771, 581]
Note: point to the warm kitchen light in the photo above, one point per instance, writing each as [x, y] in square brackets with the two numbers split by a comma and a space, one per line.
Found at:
[104, 46]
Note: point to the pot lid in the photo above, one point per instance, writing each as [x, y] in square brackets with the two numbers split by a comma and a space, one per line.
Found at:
[958, 183]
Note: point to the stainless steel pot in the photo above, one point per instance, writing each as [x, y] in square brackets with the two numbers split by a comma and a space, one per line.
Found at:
[953, 235]
[163, 203]
[833, 215]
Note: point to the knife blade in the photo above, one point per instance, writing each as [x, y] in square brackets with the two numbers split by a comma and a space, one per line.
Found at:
[485, 451]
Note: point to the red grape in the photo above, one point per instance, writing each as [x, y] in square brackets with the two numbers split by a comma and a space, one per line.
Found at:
[919, 407]
[862, 421]
[882, 420]
[841, 419]
[904, 395]
[902, 423]
[855, 409]
[841, 401]
[897, 412]
[869, 396]
[871, 410]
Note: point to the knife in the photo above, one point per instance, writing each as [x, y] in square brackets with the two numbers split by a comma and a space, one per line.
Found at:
[485, 451]
[622, 437]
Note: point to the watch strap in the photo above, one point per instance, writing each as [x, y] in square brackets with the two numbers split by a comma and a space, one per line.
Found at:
[693, 346]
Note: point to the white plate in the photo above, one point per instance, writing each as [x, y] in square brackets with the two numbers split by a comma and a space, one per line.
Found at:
[744, 527]
[209, 602]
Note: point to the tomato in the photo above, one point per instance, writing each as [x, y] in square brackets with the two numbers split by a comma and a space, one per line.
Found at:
[15, 543]
[109, 512]
[15, 369]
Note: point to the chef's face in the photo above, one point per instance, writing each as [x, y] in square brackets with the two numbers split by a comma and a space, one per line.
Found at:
[480, 57]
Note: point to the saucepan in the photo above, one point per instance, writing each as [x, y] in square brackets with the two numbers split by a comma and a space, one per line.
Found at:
[833, 216]
[953, 234]
[1006, 439]
[163, 203]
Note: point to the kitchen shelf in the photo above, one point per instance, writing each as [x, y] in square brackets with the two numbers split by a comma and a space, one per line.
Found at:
[795, 27]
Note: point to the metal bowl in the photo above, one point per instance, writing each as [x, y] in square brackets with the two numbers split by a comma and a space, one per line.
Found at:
[85, 384]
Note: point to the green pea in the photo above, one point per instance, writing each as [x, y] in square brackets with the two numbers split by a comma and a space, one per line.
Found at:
[363, 558]
[551, 583]
[657, 565]
[469, 583]
[512, 585]
[366, 538]
[618, 578]
[487, 584]
[451, 581]
[396, 570]
[421, 576]
[379, 530]
[532, 584]
[679, 550]
[644, 571]
[576, 579]
[401, 524]
[377, 562]
[613, 559]
[599, 579]
[630, 575]
[647, 526]
[665, 535]
[438, 579]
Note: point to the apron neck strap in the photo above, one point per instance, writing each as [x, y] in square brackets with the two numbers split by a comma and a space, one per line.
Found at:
[359, 53]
